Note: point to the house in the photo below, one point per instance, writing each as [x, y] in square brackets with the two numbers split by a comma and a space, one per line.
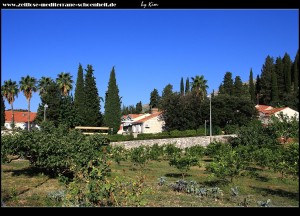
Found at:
[142, 123]
[265, 112]
[21, 119]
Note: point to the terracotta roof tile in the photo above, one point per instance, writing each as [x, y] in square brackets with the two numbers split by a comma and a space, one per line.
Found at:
[19, 116]
[147, 118]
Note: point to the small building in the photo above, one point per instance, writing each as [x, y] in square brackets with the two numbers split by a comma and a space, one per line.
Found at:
[265, 112]
[21, 119]
[142, 123]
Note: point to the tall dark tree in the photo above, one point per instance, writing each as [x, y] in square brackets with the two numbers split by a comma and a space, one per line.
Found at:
[287, 70]
[181, 86]
[112, 116]
[154, 99]
[280, 78]
[165, 96]
[266, 80]
[257, 89]
[251, 87]
[274, 90]
[79, 97]
[28, 85]
[238, 86]
[296, 73]
[93, 115]
[2, 111]
[187, 86]
[52, 98]
[10, 90]
[67, 115]
[139, 107]
[227, 86]
[64, 81]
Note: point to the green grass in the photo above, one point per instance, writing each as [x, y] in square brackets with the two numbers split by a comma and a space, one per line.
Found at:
[22, 185]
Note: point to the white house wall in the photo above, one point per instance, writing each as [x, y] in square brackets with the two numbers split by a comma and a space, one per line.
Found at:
[154, 126]
[289, 112]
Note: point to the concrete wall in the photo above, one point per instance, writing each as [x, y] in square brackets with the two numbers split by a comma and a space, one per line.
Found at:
[155, 125]
[179, 142]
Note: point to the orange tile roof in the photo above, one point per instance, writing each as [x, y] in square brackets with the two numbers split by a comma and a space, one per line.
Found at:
[268, 112]
[133, 116]
[19, 116]
[147, 118]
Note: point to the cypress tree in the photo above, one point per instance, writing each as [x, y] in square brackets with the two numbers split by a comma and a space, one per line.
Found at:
[274, 90]
[238, 86]
[251, 87]
[181, 86]
[2, 111]
[93, 115]
[257, 89]
[154, 99]
[139, 107]
[79, 97]
[296, 73]
[287, 65]
[187, 86]
[51, 97]
[266, 80]
[280, 78]
[112, 116]
[228, 84]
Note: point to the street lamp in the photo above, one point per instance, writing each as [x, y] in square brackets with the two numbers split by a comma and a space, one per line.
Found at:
[45, 107]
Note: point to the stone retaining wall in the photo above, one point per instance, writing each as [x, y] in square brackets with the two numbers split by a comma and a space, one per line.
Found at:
[179, 142]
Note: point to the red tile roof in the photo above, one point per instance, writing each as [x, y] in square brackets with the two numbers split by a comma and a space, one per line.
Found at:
[133, 116]
[268, 112]
[147, 118]
[19, 116]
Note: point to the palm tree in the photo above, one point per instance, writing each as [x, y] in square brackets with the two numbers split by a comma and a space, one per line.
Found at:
[43, 83]
[28, 85]
[64, 82]
[199, 85]
[9, 90]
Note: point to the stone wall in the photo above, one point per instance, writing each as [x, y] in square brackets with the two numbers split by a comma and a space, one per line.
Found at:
[179, 142]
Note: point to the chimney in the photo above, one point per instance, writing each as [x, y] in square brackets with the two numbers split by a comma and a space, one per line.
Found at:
[154, 110]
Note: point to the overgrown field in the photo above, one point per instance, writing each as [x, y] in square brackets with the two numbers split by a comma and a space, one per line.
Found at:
[61, 167]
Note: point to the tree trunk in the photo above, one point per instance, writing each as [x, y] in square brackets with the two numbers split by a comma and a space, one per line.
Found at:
[28, 126]
[13, 116]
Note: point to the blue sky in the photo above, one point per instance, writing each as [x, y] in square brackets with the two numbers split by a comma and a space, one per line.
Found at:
[149, 48]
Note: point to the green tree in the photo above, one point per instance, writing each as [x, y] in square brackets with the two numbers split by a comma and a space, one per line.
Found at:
[181, 86]
[2, 111]
[238, 86]
[296, 73]
[187, 86]
[257, 89]
[274, 90]
[64, 81]
[93, 115]
[67, 115]
[43, 83]
[154, 99]
[139, 107]
[112, 116]
[52, 98]
[266, 80]
[9, 91]
[227, 86]
[287, 70]
[280, 78]
[251, 87]
[199, 86]
[79, 97]
[28, 85]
